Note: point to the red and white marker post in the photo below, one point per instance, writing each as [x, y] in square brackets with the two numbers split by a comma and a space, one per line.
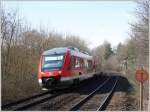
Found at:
[141, 76]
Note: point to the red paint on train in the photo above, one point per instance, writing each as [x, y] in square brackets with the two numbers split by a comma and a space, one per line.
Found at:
[60, 66]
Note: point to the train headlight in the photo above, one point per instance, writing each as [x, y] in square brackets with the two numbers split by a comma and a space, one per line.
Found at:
[40, 81]
[59, 72]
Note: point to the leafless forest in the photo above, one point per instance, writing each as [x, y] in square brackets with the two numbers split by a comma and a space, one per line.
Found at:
[21, 47]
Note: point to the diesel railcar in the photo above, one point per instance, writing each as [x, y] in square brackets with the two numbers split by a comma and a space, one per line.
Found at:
[64, 66]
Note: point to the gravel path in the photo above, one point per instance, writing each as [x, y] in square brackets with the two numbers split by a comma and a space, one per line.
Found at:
[122, 100]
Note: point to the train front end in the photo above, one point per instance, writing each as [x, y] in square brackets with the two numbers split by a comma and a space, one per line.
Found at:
[50, 68]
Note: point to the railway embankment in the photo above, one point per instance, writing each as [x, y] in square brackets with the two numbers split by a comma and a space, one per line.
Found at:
[126, 97]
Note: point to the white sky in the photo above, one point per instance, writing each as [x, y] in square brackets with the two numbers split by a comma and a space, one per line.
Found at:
[94, 22]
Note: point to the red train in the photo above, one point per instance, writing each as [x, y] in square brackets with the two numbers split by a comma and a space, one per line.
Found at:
[63, 66]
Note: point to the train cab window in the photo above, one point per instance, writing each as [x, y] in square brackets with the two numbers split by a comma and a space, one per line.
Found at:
[52, 62]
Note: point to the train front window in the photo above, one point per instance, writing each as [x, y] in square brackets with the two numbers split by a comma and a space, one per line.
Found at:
[53, 62]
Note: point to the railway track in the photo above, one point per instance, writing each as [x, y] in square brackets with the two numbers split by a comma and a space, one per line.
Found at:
[97, 99]
[77, 92]
[30, 101]
[93, 100]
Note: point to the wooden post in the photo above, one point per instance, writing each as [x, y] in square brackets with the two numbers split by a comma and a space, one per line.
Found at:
[141, 92]
[141, 96]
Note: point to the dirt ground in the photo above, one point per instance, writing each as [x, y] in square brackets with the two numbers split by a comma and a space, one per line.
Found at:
[122, 102]
[125, 98]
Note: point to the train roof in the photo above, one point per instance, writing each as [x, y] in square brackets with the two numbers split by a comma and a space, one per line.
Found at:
[60, 50]
[63, 50]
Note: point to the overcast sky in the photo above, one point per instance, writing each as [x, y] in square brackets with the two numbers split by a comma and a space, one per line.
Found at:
[94, 22]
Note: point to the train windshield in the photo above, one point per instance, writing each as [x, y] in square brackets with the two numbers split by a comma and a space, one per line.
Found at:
[53, 62]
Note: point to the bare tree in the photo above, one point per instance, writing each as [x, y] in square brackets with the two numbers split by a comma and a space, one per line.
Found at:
[139, 31]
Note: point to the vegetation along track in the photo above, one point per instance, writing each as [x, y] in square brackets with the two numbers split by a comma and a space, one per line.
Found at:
[98, 99]
[30, 101]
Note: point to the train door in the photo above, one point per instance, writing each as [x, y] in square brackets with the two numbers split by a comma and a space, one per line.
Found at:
[78, 66]
[71, 66]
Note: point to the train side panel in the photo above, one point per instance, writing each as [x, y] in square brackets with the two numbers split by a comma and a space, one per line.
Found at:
[76, 66]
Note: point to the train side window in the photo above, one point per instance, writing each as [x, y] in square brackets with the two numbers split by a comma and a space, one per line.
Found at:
[77, 63]
[81, 63]
[85, 63]
[90, 64]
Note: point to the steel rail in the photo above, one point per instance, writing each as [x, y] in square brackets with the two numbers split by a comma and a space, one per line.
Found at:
[82, 101]
[33, 103]
[29, 102]
[36, 102]
[24, 100]
[105, 101]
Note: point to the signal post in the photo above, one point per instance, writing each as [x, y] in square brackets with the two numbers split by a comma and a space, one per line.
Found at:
[141, 76]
